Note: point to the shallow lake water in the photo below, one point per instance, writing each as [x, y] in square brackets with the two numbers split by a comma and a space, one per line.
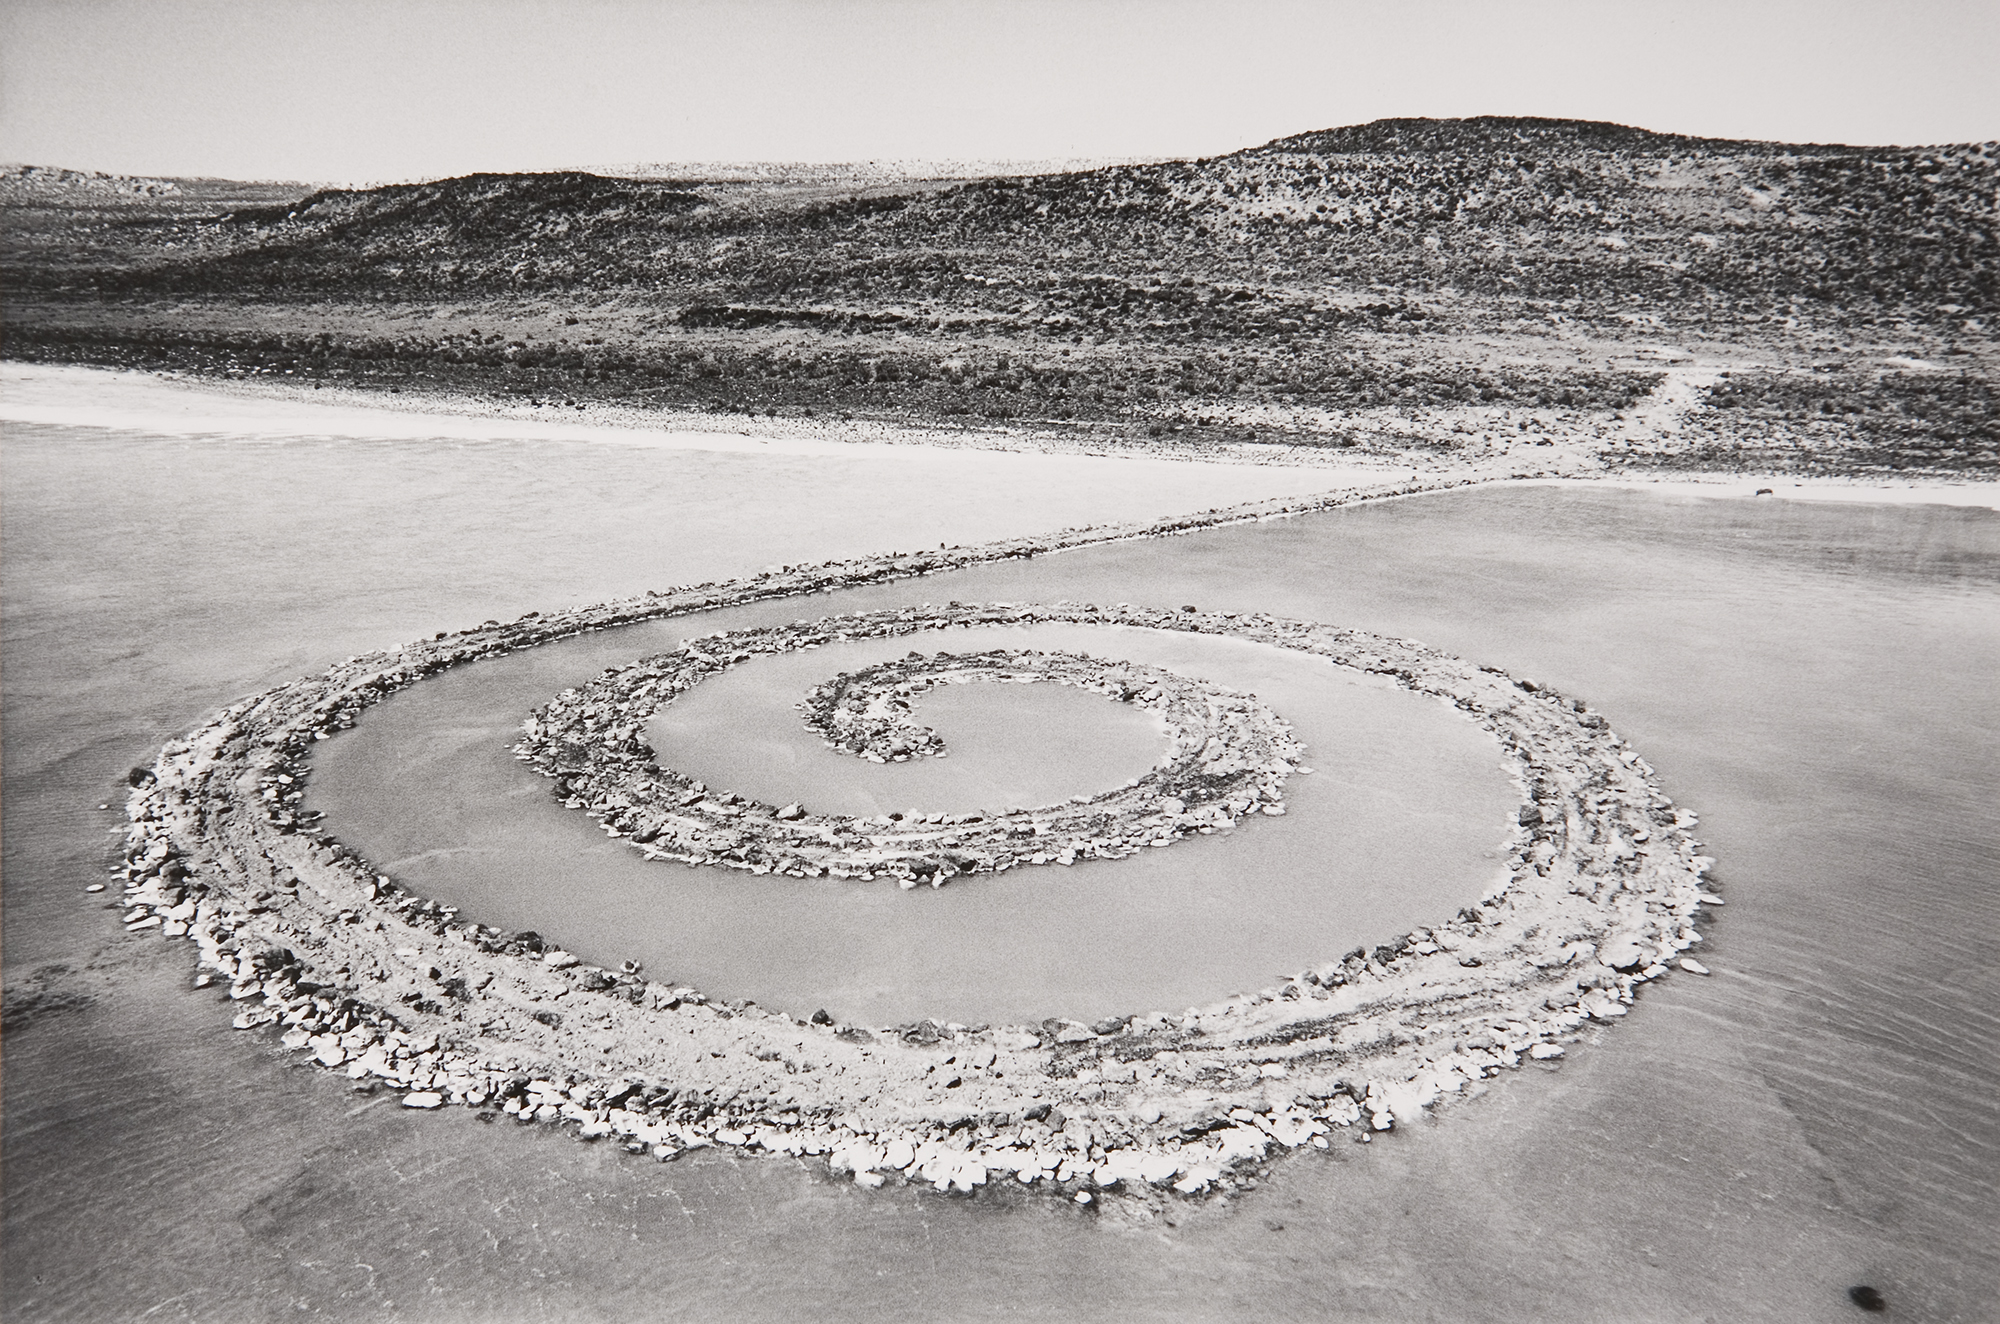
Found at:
[1819, 682]
[1403, 819]
[1006, 745]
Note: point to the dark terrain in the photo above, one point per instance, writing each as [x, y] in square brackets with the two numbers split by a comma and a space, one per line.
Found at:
[1427, 287]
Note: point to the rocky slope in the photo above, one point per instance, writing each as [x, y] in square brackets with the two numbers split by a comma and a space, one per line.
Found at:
[1284, 291]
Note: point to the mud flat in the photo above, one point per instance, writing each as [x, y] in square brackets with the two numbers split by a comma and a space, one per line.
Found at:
[1603, 895]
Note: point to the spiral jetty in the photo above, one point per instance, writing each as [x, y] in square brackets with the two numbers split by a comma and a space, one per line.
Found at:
[1602, 896]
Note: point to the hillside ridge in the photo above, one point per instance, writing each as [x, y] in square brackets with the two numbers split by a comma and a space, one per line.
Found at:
[1356, 286]
[1502, 132]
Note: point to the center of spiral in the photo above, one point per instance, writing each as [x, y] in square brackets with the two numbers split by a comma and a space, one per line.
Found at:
[869, 713]
[1228, 755]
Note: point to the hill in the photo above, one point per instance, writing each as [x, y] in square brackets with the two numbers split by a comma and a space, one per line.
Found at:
[1417, 264]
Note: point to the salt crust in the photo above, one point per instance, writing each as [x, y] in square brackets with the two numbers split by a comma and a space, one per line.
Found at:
[1603, 891]
[1228, 756]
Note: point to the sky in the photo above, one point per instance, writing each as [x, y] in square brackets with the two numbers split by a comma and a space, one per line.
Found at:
[359, 91]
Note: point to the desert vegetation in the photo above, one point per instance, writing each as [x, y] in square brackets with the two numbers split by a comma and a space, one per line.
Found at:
[1468, 265]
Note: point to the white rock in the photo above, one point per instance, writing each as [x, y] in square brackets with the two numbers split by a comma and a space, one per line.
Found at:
[1692, 966]
[1603, 1006]
[1621, 953]
[423, 1099]
[1543, 1052]
[1195, 1177]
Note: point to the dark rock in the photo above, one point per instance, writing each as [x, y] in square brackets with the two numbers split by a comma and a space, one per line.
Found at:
[1868, 1298]
[822, 1017]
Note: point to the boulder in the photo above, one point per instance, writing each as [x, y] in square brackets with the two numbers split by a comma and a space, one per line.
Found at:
[1623, 953]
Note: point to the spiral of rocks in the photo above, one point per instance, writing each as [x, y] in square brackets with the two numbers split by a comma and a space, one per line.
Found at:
[1228, 756]
[331, 957]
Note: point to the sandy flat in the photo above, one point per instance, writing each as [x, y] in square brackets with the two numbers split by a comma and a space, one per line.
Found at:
[1148, 482]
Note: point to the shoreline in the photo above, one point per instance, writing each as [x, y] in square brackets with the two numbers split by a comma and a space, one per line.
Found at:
[1603, 893]
[131, 399]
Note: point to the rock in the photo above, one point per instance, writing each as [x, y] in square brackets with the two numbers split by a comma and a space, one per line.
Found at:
[1073, 1033]
[1544, 1052]
[822, 1017]
[560, 960]
[1109, 1025]
[1603, 1006]
[423, 1099]
[1623, 953]
[1122, 1166]
[1692, 966]
[792, 813]
[1195, 1178]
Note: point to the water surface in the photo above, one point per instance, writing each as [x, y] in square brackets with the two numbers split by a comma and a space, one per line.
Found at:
[1818, 681]
[1403, 821]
